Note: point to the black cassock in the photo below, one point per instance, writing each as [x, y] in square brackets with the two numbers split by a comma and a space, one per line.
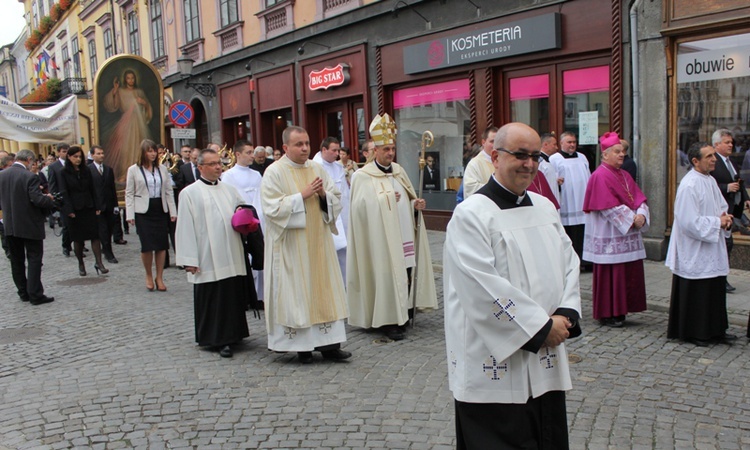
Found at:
[220, 306]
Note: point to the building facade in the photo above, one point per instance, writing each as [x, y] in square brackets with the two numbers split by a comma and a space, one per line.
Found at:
[452, 67]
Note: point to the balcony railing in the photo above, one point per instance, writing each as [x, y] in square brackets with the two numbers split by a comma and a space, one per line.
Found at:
[75, 86]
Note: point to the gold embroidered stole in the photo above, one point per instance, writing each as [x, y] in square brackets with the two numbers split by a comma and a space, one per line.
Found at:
[320, 294]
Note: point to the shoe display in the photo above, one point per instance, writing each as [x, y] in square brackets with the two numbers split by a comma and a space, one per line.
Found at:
[305, 357]
[336, 355]
[226, 352]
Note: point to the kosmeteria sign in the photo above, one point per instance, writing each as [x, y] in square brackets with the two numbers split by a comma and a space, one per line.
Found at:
[513, 38]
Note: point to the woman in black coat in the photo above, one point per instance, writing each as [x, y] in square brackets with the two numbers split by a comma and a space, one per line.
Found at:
[81, 208]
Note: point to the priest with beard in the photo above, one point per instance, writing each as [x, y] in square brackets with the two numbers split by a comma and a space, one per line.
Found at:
[213, 256]
[616, 215]
[512, 298]
[304, 292]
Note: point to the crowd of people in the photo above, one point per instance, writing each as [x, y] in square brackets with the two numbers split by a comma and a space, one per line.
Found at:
[321, 242]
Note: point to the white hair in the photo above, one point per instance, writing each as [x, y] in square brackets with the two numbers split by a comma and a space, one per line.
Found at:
[258, 150]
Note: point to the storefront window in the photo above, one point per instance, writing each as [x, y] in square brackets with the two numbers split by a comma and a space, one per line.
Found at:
[443, 109]
[713, 92]
[529, 101]
[586, 106]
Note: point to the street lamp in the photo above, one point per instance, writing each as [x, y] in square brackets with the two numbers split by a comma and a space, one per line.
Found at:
[185, 64]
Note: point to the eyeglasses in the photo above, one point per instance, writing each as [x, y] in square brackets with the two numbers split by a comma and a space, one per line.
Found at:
[523, 155]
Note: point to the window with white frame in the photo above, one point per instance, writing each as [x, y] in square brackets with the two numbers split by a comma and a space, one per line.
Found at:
[192, 20]
[228, 12]
[108, 44]
[157, 29]
[66, 61]
[133, 36]
[92, 58]
[76, 57]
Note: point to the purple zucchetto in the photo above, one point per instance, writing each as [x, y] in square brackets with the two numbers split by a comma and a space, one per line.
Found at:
[244, 221]
[609, 139]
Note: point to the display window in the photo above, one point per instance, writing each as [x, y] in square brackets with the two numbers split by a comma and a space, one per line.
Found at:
[586, 107]
[443, 109]
[529, 101]
[713, 92]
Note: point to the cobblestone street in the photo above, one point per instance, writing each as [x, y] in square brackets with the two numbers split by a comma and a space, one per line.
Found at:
[111, 365]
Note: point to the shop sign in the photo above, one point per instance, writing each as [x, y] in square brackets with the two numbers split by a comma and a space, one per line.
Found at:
[719, 64]
[329, 77]
[509, 39]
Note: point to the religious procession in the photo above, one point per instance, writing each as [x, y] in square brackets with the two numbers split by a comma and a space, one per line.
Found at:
[413, 224]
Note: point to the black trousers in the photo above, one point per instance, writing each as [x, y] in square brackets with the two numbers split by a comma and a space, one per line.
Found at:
[6, 249]
[107, 222]
[66, 243]
[29, 284]
[539, 424]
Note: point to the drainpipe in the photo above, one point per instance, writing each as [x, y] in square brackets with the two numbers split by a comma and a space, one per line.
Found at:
[635, 80]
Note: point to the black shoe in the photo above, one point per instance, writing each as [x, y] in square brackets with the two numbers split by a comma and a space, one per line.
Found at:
[730, 288]
[394, 333]
[121, 242]
[336, 355]
[612, 322]
[42, 300]
[728, 339]
[85, 249]
[226, 352]
[112, 260]
[24, 298]
[81, 270]
[66, 252]
[305, 357]
[699, 342]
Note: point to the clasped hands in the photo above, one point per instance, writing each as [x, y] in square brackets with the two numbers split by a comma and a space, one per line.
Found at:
[315, 187]
[726, 221]
[639, 221]
[559, 331]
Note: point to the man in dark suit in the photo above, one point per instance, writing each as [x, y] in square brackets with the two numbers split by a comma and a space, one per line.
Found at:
[54, 175]
[730, 184]
[106, 193]
[431, 180]
[24, 210]
[188, 173]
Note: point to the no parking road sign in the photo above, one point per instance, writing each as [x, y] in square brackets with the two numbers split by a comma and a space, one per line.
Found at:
[181, 114]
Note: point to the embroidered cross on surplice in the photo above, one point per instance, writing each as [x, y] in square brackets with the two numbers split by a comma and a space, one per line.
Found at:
[546, 360]
[325, 328]
[493, 370]
[504, 308]
[290, 333]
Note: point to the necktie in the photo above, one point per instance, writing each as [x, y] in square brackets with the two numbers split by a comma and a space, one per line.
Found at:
[101, 169]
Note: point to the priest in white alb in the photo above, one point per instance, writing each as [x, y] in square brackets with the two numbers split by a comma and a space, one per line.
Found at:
[697, 255]
[381, 241]
[326, 157]
[510, 281]
[304, 296]
[573, 168]
[247, 182]
[213, 256]
[616, 215]
[480, 168]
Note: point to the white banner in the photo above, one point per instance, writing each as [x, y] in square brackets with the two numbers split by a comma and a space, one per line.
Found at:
[719, 64]
[58, 123]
